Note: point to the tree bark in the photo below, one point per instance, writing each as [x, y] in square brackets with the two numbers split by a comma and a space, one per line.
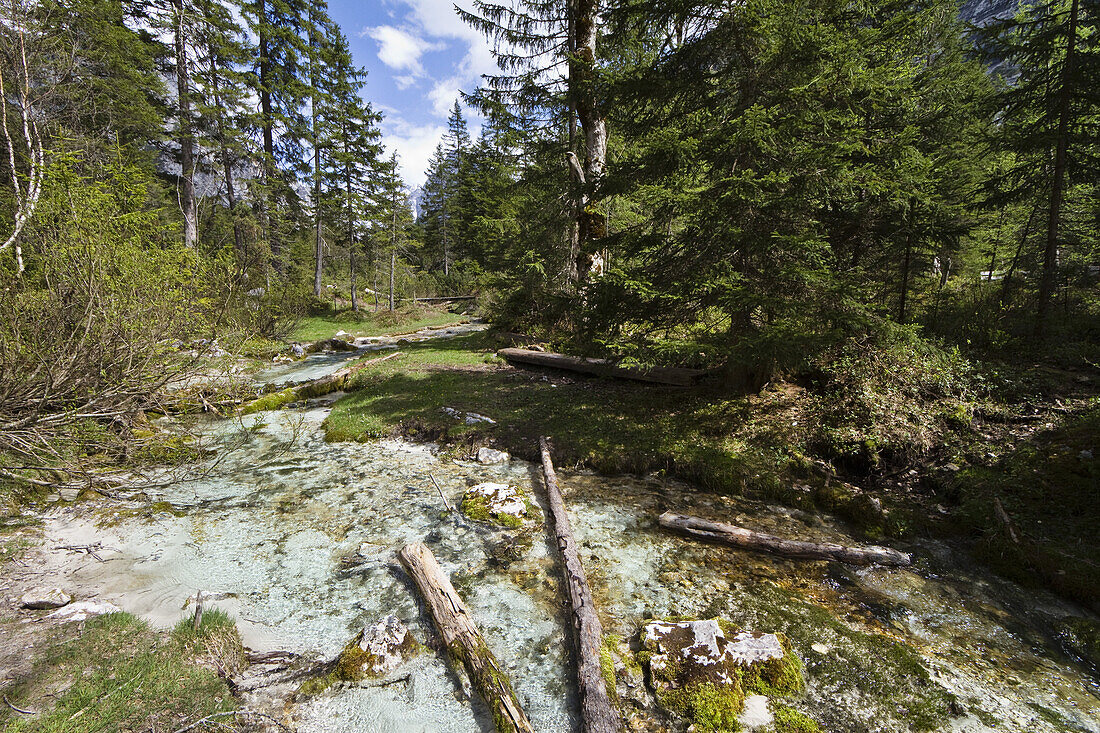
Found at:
[393, 265]
[464, 642]
[601, 367]
[1050, 253]
[267, 123]
[25, 200]
[749, 540]
[315, 81]
[596, 709]
[227, 164]
[582, 90]
[188, 204]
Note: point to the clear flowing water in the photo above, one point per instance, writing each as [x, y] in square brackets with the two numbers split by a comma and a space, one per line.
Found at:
[269, 528]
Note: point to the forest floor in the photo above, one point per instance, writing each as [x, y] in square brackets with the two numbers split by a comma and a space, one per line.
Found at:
[1028, 445]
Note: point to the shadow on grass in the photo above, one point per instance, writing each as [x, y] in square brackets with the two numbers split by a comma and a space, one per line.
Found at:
[1050, 488]
[608, 426]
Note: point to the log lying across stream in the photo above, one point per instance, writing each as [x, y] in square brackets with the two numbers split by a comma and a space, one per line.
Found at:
[674, 376]
[463, 640]
[317, 388]
[598, 713]
[750, 540]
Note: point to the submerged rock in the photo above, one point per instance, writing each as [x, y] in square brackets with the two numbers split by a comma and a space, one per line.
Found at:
[490, 455]
[701, 670]
[42, 598]
[497, 503]
[376, 650]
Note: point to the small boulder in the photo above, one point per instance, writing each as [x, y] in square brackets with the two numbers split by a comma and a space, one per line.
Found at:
[297, 350]
[497, 503]
[42, 598]
[702, 670]
[490, 455]
[377, 650]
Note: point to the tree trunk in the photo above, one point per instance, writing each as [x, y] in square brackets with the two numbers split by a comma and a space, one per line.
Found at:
[393, 265]
[464, 642]
[675, 376]
[267, 123]
[582, 90]
[749, 540]
[314, 82]
[1050, 253]
[596, 709]
[188, 204]
[227, 163]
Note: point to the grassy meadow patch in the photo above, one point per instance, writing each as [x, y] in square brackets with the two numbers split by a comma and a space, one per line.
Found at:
[118, 674]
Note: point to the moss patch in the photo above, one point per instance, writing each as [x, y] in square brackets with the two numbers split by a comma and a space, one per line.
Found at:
[789, 720]
[270, 401]
[709, 706]
[1081, 638]
[710, 694]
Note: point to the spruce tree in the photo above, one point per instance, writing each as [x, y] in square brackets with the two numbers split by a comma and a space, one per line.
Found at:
[1048, 115]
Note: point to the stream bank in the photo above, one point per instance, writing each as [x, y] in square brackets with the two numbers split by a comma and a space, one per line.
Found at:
[942, 645]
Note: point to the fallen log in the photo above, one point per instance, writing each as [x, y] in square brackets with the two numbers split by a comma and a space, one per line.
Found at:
[750, 540]
[596, 709]
[463, 640]
[675, 376]
[318, 387]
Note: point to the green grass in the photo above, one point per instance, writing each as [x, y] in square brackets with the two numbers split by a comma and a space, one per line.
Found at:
[118, 674]
[315, 328]
[609, 425]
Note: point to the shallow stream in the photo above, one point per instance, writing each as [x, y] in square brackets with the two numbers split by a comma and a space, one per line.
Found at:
[937, 645]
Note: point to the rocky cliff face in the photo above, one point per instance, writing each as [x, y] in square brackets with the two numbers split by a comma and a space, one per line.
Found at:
[984, 12]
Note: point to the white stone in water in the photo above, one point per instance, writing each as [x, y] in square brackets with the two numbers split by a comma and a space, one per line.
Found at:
[490, 455]
[501, 498]
[85, 609]
[756, 713]
[387, 642]
[40, 598]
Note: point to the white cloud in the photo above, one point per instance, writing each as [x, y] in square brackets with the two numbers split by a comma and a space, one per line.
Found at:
[404, 82]
[400, 49]
[443, 95]
[414, 145]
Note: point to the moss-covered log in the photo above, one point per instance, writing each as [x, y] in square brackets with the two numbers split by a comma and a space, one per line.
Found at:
[596, 708]
[463, 640]
[750, 540]
[317, 388]
[674, 376]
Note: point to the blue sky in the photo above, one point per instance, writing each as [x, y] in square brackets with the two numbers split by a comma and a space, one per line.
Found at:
[418, 55]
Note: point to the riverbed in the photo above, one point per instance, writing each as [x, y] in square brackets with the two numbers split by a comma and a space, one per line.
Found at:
[940, 645]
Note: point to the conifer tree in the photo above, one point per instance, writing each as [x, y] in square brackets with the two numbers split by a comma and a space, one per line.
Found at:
[350, 152]
[547, 52]
[222, 55]
[282, 91]
[1048, 115]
